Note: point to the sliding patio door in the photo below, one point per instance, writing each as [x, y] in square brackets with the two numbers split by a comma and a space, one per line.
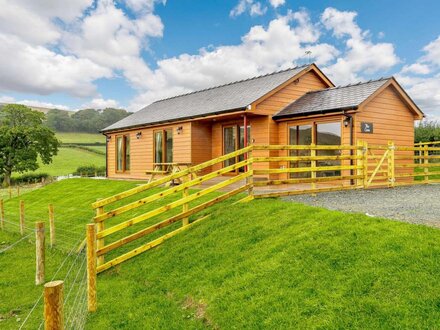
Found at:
[233, 140]
[300, 135]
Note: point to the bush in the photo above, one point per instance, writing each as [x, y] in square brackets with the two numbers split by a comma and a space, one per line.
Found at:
[29, 178]
[427, 131]
[90, 170]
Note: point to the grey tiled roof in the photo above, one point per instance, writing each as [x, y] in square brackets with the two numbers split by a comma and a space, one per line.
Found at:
[234, 96]
[331, 99]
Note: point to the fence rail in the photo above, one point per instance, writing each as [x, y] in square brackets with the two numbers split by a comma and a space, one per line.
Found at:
[286, 169]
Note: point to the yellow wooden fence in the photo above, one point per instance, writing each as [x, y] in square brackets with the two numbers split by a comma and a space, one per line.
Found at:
[266, 171]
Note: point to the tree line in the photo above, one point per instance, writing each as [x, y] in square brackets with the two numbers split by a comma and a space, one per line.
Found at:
[87, 120]
[427, 131]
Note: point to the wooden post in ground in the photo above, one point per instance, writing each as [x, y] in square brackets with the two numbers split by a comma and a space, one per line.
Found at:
[391, 164]
[313, 166]
[426, 162]
[250, 179]
[39, 253]
[22, 217]
[53, 306]
[51, 225]
[18, 190]
[2, 215]
[91, 267]
[365, 163]
[185, 207]
[100, 227]
[359, 162]
[10, 192]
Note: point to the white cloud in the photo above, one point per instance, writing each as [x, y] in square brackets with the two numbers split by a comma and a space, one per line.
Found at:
[36, 69]
[425, 90]
[100, 103]
[110, 38]
[257, 10]
[33, 103]
[277, 3]
[280, 45]
[416, 68]
[362, 56]
[254, 8]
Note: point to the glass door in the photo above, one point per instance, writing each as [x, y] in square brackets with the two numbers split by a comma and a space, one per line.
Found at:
[229, 143]
[241, 143]
[328, 134]
[300, 135]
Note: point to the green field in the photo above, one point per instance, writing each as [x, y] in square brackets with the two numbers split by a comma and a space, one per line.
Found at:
[69, 159]
[265, 264]
[80, 138]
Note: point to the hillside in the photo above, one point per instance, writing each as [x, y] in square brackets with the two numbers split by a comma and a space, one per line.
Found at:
[265, 264]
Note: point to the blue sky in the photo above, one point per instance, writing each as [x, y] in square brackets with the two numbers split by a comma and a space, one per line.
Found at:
[129, 53]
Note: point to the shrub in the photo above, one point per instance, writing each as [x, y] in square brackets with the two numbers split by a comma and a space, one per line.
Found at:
[29, 178]
[90, 170]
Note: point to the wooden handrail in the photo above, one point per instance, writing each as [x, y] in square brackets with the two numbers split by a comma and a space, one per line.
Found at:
[170, 206]
[193, 169]
[170, 191]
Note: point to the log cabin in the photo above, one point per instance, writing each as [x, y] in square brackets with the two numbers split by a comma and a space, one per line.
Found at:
[300, 106]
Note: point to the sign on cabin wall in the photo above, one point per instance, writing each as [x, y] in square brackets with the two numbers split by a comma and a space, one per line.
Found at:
[366, 127]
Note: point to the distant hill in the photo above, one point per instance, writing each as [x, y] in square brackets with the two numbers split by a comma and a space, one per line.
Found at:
[40, 109]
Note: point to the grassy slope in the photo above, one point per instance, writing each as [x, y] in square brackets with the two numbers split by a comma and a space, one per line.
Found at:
[265, 264]
[80, 137]
[69, 159]
[272, 264]
[18, 292]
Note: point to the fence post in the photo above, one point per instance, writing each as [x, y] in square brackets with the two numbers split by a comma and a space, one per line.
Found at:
[10, 192]
[313, 165]
[250, 179]
[359, 162]
[51, 225]
[53, 306]
[22, 217]
[100, 227]
[391, 167]
[2, 215]
[18, 190]
[185, 207]
[365, 163]
[39, 253]
[91, 267]
[426, 162]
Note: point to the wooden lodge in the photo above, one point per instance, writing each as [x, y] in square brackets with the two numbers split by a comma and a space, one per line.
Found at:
[298, 106]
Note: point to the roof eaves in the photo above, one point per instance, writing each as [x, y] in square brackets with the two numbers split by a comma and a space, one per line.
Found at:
[319, 112]
[170, 120]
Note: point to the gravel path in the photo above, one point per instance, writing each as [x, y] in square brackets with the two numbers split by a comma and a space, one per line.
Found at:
[415, 204]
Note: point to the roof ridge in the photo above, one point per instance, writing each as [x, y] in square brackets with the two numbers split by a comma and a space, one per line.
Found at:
[350, 85]
[233, 82]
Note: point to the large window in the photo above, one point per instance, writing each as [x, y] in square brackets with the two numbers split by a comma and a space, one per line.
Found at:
[122, 153]
[163, 146]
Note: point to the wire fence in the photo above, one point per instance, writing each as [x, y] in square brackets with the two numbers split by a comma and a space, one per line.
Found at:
[72, 270]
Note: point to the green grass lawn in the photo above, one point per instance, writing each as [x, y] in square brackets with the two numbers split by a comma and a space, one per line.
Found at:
[431, 169]
[266, 264]
[80, 137]
[69, 159]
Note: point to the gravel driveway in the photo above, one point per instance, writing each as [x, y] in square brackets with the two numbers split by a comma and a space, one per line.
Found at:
[415, 204]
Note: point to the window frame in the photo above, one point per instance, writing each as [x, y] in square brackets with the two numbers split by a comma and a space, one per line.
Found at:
[124, 153]
[163, 131]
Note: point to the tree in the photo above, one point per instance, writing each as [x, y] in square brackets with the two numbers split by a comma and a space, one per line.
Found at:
[427, 131]
[60, 121]
[24, 138]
